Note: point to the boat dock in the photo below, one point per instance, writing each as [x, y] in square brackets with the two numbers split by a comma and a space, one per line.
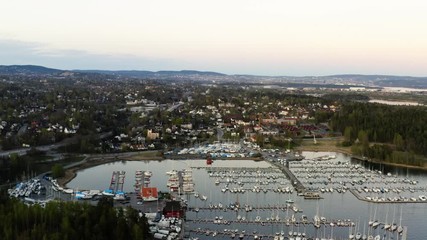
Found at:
[239, 169]
[242, 208]
[117, 181]
[357, 195]
[404, 233]
[299, 187]
[287, 222]
[230, 235]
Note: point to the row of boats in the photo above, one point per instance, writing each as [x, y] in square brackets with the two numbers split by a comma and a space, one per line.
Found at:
[25, 189]
[248, 208]
[421, 198]
[292, 235]
[180, 181]
[115, 189]
[367, 184]
[257, 189]
[143, 188]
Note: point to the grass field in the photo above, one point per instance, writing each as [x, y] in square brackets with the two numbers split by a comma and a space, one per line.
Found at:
[323, 146]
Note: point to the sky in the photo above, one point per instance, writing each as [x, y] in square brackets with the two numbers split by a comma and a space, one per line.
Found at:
[261, 37]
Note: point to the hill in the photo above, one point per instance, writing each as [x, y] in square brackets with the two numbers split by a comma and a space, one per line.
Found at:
[152, 74]
[331, 81]
[28, 70]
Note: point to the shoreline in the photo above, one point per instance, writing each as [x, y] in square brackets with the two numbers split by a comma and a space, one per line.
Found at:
[390, 164]
[93, 161]
[351, 155]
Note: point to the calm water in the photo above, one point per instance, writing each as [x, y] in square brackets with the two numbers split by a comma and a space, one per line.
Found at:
[332, 206]
[398, 103]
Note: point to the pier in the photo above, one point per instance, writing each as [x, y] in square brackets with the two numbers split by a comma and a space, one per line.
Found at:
[231, 234]
[243, 208]
[404, 233]
[357, 195]
[117, 181]
[286, 222]
[299, 187]
[239, 169]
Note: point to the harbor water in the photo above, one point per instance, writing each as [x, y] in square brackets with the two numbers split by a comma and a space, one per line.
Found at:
[254, 197]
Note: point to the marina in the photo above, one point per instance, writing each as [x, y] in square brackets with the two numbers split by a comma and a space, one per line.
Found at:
[369, 185]
[260, 197]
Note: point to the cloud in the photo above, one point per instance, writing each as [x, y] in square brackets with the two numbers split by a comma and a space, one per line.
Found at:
[19, 52]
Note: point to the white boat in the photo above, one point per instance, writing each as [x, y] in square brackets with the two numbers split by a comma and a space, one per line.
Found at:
[375, 224]
[108, 192]
[386, 226]
[393, 227]
[119, 196]
[171, 172]
[68, 190]
[400, 228]
[316, 221]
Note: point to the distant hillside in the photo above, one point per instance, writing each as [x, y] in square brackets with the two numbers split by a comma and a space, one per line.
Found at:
[332, 80]
[151, 74]
[386, 80]
[28, 70]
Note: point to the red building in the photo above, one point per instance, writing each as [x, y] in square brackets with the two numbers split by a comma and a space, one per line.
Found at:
[173, 209]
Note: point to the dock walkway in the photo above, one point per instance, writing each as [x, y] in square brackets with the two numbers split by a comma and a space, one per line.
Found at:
[239, 169]
[286, 222]
[294, 180]
[358, 196]
[242, 208]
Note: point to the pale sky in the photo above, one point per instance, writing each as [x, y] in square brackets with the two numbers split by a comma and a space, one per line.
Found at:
[263, 37]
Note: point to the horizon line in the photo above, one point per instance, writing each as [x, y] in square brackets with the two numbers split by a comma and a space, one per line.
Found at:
[210, 71]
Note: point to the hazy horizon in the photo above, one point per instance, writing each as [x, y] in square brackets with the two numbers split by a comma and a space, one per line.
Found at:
[270, 38]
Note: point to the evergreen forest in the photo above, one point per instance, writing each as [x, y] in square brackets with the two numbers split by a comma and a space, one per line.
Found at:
[396, 134]
[70, 220]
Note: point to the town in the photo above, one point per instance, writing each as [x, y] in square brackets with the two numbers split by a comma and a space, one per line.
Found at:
[248, 138]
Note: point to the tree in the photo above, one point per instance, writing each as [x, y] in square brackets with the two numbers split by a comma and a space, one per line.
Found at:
[58, 171]
[398, 142]
[347, 134]
[362, 136]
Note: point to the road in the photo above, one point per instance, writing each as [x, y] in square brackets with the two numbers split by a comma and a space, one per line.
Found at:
[219, 133]
[174, 107]
[67, 141]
